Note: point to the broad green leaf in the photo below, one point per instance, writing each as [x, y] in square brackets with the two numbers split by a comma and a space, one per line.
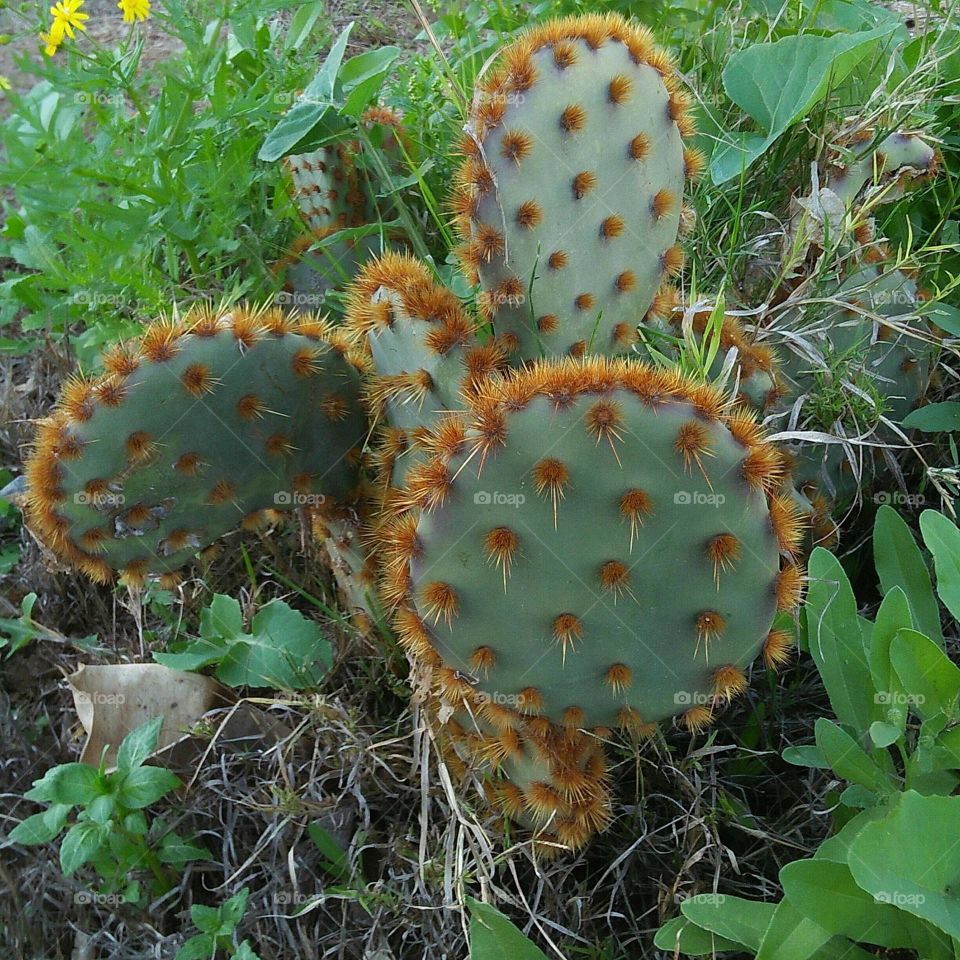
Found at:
[791, 935]
[806, 756]
[494, 937]
[900, 563]
[826, 892]
[930, 678]
[301, 24]
[847, 758]
[943, 540]
[81, 843]
[363, 76]
[231, 912]
[199, 947]
[683, 936]
[733, 918]
[74, 783]
[311, 106]
[145, 785]
[893, 616]
[911, 859]
[41, 827]
[206, 919]
[835, 642]
[176, 850]
[18, 633]
[935, 418]
[284, 649]
[223, 618]
[884, 734]
[778, 83]
[138, 744]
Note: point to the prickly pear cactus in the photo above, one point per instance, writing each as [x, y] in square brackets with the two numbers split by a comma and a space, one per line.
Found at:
[571, 487]
[326, 190]
[551, 782]
[191, 432]
[424, 349]
[569, 202]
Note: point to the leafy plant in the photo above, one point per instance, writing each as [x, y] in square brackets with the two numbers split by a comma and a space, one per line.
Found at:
[283, 648]
[106, 826]
[217, 926]
[17, 633]
[896, 743]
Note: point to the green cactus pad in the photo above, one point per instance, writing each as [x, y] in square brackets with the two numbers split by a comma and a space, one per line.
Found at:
[899, 160]
[545, 543]
[548, 781]
[569, 202]
[192, 431]
[325, 189]
[424, 349]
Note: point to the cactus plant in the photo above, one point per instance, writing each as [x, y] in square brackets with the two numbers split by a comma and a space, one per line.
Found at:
[196, 428]
[568, 204]
[543, 515]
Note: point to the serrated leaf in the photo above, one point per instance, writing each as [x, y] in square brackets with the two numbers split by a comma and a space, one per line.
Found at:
[81, 843]
[139, 744]
[145, 785]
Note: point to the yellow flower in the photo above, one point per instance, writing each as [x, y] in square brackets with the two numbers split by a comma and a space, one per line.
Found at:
[134, 10]
[66, 15]
[51, 41]
[4, 83]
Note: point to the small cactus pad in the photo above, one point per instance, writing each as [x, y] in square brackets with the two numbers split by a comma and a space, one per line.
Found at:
[325, 189]
[550, 781]
[537, 558]
[312, 268]
[756, 368]
[569, 200]
[193, 430]
[423, 346]
[900, 160]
